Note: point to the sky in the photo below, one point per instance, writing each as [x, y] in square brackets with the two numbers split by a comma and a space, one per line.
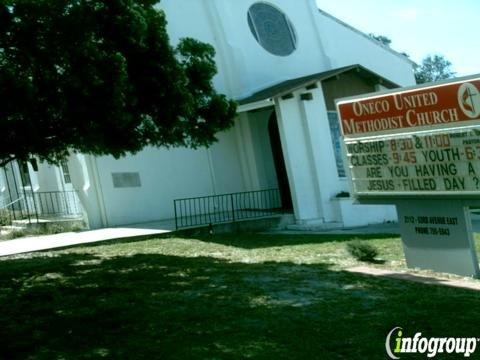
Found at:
[419, 27]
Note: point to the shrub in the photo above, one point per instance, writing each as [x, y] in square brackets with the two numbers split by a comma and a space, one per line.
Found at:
[54, 229]
[5, 218]
[343, 194]
[77, 227]
[15, 234]
[362, 250]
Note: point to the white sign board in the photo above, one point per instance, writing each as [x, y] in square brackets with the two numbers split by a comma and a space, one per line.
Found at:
[428, 163]
[421, 141]
[437, 237]
[420, 144]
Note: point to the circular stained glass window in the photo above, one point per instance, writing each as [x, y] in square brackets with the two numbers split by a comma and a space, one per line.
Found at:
[272, 29]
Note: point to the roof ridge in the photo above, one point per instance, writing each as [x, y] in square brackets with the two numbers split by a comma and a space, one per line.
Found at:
[376, 42]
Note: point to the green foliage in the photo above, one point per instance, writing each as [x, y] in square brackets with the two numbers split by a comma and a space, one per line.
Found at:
[15, 234]
[5, 217]
[55, 229]
[42, 229]
[385, 41]
[433, 68]
[362, 250]
[343, 194]
[101, 77]
[77, 227]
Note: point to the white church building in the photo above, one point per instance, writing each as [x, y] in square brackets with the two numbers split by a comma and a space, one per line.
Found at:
[285, 62]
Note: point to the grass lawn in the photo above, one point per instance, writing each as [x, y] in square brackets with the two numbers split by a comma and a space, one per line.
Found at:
[215, 297]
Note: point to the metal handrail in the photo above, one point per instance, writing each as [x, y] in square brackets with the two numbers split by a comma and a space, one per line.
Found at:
[224, 208]
[235, 193]
[44, 203]
[58, 202]
[13, 202]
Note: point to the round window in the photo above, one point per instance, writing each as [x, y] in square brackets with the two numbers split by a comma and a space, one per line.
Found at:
[272, 29]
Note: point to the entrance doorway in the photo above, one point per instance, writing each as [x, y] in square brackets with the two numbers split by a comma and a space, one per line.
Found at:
[279, 162]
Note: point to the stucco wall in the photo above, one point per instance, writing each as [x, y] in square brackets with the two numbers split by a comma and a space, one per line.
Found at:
[164, 176]
[226, 163]
[168, 174]
[48, 178]
[245, 67]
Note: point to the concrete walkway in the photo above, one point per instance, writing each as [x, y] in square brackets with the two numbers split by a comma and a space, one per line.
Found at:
[386, 228]
[45, 242]
[424, 279]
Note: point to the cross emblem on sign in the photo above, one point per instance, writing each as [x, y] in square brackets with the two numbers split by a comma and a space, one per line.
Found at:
[468, 102]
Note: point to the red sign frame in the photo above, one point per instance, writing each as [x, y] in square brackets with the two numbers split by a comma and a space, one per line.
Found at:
[448, 104]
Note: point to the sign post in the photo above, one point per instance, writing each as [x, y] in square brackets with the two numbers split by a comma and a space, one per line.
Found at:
[419, 148]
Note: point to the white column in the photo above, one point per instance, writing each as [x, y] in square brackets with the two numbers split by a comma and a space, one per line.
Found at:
[319, 138]
[85, 181]
[298, 161]
[309, 155]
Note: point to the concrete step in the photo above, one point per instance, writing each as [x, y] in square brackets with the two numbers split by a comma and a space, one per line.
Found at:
[285, 221]
[21, 223]
[46, 223]
[7, 229]
[316, 226]
[12, 228]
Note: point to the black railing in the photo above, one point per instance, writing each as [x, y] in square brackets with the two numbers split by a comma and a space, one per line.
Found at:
[19, 202]
[58, 203]
[30, 205]
[216, 209]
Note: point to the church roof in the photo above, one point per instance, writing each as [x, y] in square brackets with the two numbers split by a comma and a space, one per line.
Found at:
[403, 56]
[288, 86]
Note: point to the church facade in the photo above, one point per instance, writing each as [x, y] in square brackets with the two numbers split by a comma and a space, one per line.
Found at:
[285, 62]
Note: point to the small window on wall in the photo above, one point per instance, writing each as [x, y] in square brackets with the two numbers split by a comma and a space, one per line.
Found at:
[272, 29]
[336, 141]
[66, 172]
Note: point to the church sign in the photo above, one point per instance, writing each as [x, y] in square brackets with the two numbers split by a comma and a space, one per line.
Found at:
[422, 141]
[419, 148]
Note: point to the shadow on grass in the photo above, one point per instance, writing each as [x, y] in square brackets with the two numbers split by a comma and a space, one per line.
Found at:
[374, 261]
[80, 306]
[242, 240]
[254, 241]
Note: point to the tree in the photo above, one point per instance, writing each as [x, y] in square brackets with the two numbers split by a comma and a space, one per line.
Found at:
[433, 68]
[385, 41]
[100, 77]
